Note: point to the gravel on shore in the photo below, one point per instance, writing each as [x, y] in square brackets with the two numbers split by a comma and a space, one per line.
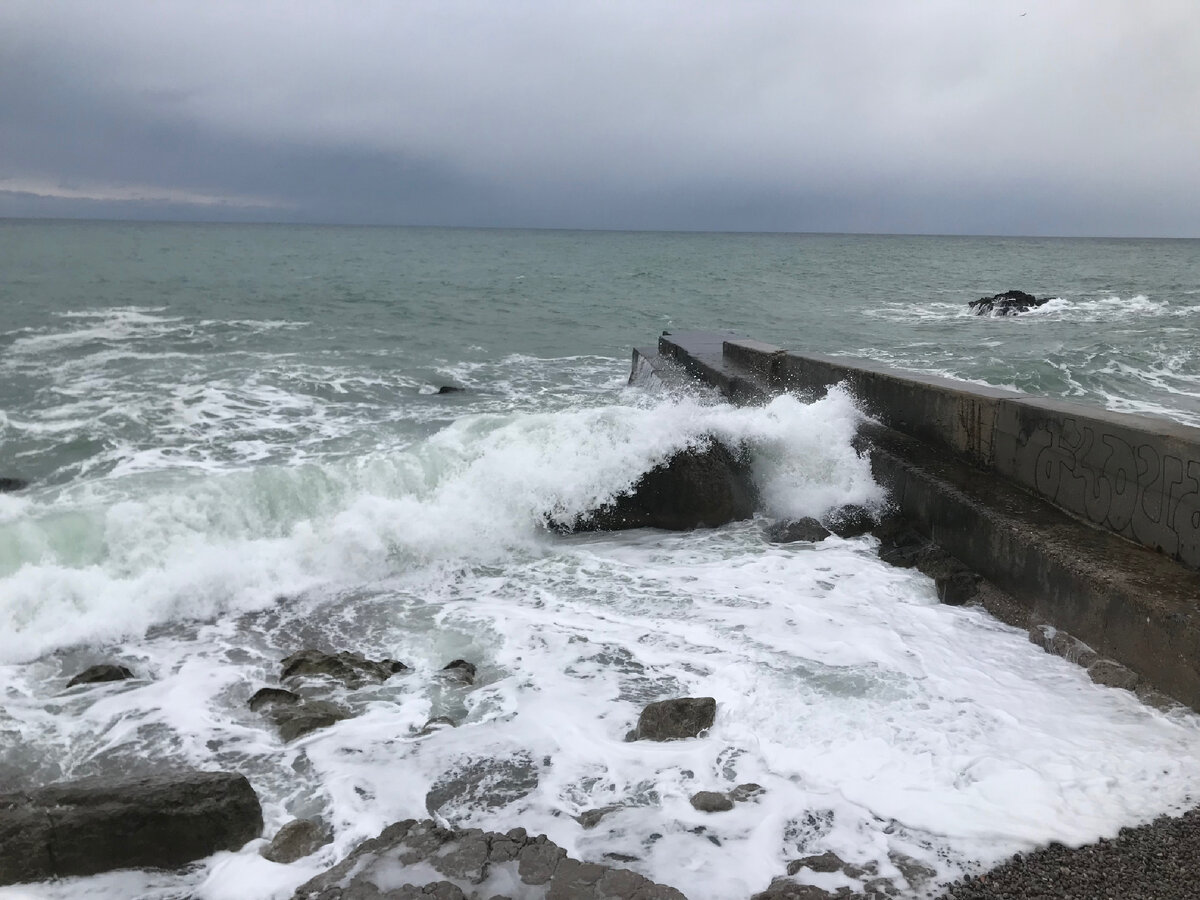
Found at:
[1157, 861]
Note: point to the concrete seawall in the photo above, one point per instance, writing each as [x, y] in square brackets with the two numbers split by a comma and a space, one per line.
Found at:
[1088, 520]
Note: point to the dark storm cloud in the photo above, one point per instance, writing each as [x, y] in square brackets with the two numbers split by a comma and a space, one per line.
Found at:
[1077, 117]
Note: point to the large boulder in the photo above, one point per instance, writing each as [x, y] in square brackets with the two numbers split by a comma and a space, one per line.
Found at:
[701, 487]
[352, 669]
[673, 720]
[1007, 304]
[98, 824]
[419, 859]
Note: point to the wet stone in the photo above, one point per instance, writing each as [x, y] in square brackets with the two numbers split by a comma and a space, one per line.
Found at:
[351, 669]
[748, 791]
[824, 862]
[1112, 674]
[101, 673]
[483, 784]
[268, 696]
[590, 818]
[437, 723]
[849, 521]
[295, 840]
[461, 670]
[9, 484]
[296, 721]
[808, 530]
[711, 801]
[672, 720]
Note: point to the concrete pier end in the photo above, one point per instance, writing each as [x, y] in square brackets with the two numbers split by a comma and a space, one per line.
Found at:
[1088, 519]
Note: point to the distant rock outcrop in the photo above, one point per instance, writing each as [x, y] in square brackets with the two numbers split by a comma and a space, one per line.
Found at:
[1007, 304]
[701, 487]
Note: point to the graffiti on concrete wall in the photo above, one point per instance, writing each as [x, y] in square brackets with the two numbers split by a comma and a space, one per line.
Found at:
[1137, 489]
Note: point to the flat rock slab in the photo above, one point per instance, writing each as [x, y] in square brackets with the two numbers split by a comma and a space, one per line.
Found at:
[99, 824]
[471, 863]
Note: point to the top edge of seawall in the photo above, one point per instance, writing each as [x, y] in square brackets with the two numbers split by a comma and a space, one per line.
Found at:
[1133, 474]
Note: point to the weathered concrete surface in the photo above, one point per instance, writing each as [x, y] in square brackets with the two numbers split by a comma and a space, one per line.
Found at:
[1080, 529]
[98, 824]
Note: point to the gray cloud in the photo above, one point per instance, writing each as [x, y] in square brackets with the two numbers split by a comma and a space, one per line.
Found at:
[1077, 117]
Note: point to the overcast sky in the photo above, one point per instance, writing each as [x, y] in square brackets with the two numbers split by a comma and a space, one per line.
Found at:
[943, 116]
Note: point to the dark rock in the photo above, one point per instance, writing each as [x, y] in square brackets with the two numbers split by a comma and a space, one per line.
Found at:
[590, 818]
[825, 862]
[711, 801]
[1007, 304]
[303, 718]
[100, 673]
[7, 485]
[450, 389]
[483, 784]
[956, 588]
[437, 723]
[295, 840]
[462, 670]
[99, 824]
[748, 791]
[782, 889]
[349, 668]
[409, 851]
[671, 720]
[1112, 674]
[697, 488]
[806, 529]
[270, 696]
[850, 521]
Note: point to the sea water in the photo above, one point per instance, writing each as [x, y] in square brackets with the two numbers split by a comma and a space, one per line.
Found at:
[237, 449]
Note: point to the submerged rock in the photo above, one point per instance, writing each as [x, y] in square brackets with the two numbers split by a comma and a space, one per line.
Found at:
[672, 720]
[1007, 304]
[269, 696]
[295, 840]
[437, 723]
[303, 718]
[99, 824]
[101, 673]
[701, 487]
[407, 858]
[461, 670]
[351, 669]
[8, 485]
[487, 783]
[450, 389]
[806, 529]
[850, 521]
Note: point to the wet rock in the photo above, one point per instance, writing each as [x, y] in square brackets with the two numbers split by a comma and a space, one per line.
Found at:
[590, 818]
[849, 521]
[351, 669]
[412, 852]
[461, 670]
[783, 889]
[99, 824]
[915, 873]
[483, 784]
[745, 792]
[437, 723]
[701, 487]
[824, 862]
[956, 588]
[1009, 303]
[711, 801]
[304, 718]
[806, 529]
[270, 696]
[450, 389]
[672, 720]
[295, 840]
[100, 673]
[1112, 674]
[8, 485]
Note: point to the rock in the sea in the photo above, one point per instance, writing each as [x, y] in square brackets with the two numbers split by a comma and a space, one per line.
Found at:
[437, 723]
[7, 485]
[407, 858]
[701, 487]
[270, 696]
[487, 783]
[784, 889]
[672, 720]
[295, 840]
[1007, 304]
[450, 389]
[711, 801]
[850, 520]
[461, 670]
[1112, 674]
[351, 669]
[100, 673]
[303, 718]
[745, 792]
[958, 587]
[806, 529]
[99, 824]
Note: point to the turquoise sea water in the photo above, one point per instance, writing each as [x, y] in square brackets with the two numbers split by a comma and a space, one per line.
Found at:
[235, 448]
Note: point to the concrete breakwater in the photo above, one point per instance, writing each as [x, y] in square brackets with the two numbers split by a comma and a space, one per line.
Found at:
[1086, 520]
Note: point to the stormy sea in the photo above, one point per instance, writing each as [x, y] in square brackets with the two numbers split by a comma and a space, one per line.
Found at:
[225, 444]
